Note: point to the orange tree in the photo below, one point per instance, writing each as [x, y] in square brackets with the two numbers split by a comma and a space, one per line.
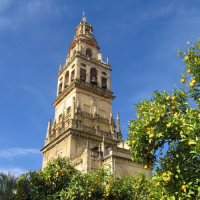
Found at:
[59, 180]
[168, 121]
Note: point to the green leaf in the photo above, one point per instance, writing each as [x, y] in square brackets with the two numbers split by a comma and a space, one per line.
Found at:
[169, 124]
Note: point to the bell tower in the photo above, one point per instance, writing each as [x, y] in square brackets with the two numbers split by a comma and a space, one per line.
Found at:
[83, 128]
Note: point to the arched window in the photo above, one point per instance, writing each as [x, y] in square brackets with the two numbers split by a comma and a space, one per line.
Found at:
[60, 88]
[72, 75]
[89, 53]
[93, 76]
[83, 74]
[104, 83]
[67, 79]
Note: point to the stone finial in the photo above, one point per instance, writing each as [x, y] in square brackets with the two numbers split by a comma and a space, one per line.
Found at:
[48, 129]
[107, 60]
[60, 66]
[118, 124]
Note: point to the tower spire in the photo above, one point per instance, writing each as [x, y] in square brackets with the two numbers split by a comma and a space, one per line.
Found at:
[118, 124]
[48, 129]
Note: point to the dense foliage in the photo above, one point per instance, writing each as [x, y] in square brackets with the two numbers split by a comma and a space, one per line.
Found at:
[7, 185]
[168, 121]
[59, 180]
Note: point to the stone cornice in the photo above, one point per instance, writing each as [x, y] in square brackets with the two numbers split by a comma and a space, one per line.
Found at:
[118, 149]
[77, 83]
[77, 133]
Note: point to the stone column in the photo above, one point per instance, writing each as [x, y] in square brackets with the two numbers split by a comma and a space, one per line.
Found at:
[88, 74]
[99, 79]
[109, 83]
[103, 145]
[73, 108]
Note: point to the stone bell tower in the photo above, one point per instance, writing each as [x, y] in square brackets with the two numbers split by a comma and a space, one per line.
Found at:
[83, 128]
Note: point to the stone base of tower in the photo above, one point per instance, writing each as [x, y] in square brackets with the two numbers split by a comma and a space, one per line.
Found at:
[118, 159]
[89, 151]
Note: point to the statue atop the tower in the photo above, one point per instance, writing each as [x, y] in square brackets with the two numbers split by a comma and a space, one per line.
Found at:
[84, 18]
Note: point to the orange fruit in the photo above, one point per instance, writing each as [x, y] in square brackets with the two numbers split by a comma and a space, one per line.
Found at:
[191, 143]
[182, 80]
[89, 195]
[183, 187]
[151, 167]
[164, 174]
[134, 142]
[192, 85]
[174, 98]
[151, 136]
[194, 81]
[189, 71]
[187, 58]
[168, 179]
[158, 184]
[168, 98]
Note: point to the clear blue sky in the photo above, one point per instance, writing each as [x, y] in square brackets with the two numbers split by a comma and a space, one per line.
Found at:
[139, 36]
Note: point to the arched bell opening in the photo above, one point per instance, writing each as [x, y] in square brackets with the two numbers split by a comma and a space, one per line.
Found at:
[93, 76]
[67, 79]
[72, 75]
[83, 75]
[104, 83]
[89, 53]
[60, 88]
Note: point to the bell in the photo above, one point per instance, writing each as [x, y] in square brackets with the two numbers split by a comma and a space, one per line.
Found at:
[93, 80]
[66, 84]
[72, 79]
[83, 78]
[104, 86]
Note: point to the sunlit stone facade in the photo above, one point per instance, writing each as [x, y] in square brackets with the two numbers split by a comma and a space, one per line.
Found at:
[83, 128]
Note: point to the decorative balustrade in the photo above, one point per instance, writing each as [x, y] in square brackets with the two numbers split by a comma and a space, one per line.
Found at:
[104, 133]
[86, 114]
[89, 129]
